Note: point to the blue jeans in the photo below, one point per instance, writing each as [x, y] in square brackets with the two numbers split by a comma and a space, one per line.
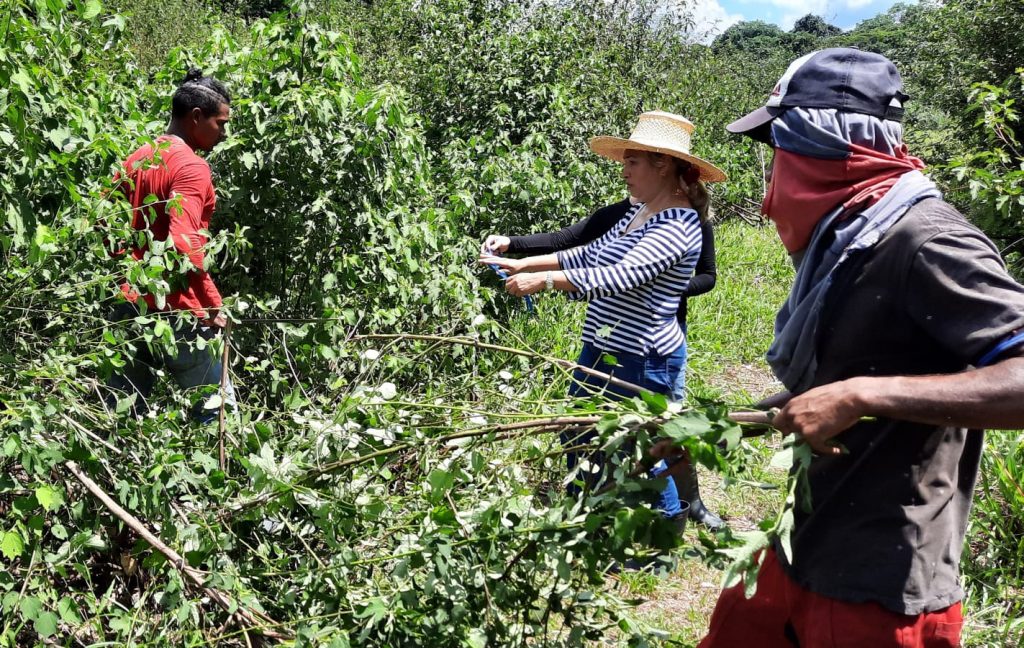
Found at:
[191, 367]
[660, 374]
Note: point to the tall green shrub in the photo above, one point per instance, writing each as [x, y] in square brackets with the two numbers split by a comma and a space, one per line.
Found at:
[353, 510]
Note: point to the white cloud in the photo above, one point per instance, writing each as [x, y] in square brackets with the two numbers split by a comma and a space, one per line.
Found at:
[803, 7]
[710, 20]
[794, 10]
[788, 20]
[857, 4]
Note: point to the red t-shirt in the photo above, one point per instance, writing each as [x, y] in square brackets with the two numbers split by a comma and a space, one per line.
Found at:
[181, 180]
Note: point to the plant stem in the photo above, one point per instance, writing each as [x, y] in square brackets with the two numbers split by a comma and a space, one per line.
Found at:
[539, 423]
[222, 420]
[7, 23]
[565, 364]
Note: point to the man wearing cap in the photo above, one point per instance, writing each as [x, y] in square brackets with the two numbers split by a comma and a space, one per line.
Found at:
[900, 340]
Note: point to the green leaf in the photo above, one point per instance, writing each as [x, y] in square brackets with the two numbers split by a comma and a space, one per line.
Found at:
[45, 239]
[124, 404]
[46, 624]
[750, 578]
[162, 328]
[116, 21]
[750, 543]
[10, 601]
[68, 611]
[92, 9]
[30, 608]
[440, 481]
[657, 403]
[785, 531]
[803, 455]
[12, 545]
[217, 478]
[477, 639]
[184, 612]
[59, 136]
[24, 82]
[687, 425]
[608, 423]
[374, 611]
[747, 560]
[49, 498]
[783, 459]
[732, 436]
[213, 402]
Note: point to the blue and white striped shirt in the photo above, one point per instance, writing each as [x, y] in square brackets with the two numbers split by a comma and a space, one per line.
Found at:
[634, 281]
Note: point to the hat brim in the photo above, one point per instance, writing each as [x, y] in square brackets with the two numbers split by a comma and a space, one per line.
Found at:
[757, 124]
[614, 147]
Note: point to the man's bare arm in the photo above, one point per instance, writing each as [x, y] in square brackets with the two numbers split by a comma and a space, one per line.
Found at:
[991, 398]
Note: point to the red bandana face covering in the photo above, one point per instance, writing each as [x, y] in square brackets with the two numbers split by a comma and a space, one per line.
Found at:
[805, 189]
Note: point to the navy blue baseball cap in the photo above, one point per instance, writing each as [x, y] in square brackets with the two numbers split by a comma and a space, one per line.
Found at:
[843, 78]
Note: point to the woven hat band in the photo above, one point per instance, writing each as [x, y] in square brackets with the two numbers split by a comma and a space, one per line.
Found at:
[663, 133]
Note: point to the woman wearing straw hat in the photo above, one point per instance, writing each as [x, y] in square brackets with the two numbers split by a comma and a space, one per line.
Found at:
[703, 280]
[635, 274]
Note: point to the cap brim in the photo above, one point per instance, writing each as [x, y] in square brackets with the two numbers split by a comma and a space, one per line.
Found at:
[756, 124]
[614, 147]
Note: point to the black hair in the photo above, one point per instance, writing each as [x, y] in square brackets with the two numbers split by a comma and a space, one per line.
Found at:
[198, 91]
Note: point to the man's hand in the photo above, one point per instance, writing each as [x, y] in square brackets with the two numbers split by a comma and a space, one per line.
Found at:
[217, 319]
[665, 449]
[495, 244]
[823, 412]
[511, 266]
[525, 283]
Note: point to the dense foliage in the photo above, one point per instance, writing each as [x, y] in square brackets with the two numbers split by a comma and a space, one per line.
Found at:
[356, 505]
[402, 490]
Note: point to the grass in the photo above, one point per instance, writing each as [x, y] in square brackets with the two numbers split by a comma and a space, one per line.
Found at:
[731, 327]
[992, 565]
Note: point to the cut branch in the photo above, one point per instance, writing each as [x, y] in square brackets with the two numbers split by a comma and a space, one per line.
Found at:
[251, 618]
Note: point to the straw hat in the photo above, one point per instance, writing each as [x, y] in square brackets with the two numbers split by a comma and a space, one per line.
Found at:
[660, 132]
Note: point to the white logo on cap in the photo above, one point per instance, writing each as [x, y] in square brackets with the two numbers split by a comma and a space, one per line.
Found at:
[779, 93]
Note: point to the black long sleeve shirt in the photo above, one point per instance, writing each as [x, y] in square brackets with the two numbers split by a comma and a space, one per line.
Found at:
[594, 226]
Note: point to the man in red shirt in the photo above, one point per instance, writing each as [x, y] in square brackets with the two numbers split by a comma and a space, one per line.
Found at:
[170, 171]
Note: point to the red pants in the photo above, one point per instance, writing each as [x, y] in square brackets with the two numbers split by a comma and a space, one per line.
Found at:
[784, 615]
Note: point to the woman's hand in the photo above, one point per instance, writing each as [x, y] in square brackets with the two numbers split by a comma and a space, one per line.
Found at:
[511, 266]
[525, 283]
[495, 244]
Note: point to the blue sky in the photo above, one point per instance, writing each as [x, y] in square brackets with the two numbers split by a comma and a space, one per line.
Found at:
[842, 13]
